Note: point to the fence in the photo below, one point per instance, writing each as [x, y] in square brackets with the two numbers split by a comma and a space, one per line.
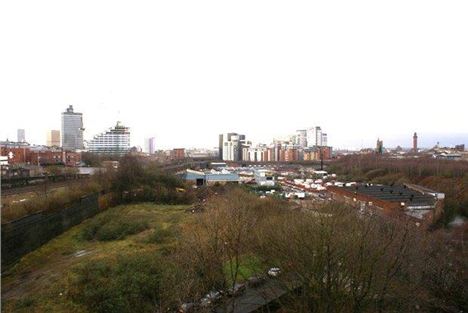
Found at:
[26, 234]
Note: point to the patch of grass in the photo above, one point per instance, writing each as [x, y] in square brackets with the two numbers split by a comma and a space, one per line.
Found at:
[119, 222]
[128, 284]
[107, 228]
[161, 234]
[43, 274]
[250, 265]
[24, 303]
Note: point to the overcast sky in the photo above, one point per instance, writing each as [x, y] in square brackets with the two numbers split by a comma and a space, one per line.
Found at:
[184, 71]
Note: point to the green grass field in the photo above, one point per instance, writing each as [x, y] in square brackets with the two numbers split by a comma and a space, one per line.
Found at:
[39, 281]
[249, 265]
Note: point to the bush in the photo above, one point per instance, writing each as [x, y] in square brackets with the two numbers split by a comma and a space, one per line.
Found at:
[106, 201]
[135, 181]
[113, 227]
[132, 283]
[161, 235]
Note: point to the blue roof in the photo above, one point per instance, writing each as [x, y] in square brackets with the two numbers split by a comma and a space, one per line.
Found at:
[192, 176]
[222, 177]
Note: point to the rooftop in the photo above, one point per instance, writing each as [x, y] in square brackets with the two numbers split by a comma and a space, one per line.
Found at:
[395, 193]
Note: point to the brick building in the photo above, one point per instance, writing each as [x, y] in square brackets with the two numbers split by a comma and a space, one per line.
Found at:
[314, 154]
[178, 154]
[406, 201]
[18, 153]
[289, 155]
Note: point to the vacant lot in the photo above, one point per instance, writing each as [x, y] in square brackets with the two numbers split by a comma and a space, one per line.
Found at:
[46, 279]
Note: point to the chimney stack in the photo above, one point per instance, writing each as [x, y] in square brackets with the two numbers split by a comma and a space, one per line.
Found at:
[415, 143]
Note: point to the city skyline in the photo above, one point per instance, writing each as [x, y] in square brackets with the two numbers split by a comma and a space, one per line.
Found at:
[264, 76]
[426, 140]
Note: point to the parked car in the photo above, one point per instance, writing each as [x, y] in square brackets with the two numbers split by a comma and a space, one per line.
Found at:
[210, 298]
[274, 272]
[236, 290]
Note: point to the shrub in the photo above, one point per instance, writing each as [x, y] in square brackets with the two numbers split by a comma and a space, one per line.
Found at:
[113, 227]
[106, 201]
[160, 234]
[135, 181]
[132, 283]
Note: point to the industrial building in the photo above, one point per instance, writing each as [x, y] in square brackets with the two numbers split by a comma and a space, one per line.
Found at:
[407, 200]
[264, 177]
[212, 177]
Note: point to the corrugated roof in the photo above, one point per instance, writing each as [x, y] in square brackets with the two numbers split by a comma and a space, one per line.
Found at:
[194, 175]
[222, 177]
[397, 193]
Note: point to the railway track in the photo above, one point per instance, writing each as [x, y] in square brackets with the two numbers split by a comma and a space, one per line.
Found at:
[40, 187]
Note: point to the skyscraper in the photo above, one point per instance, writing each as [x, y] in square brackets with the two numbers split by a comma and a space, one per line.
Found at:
[21, 135]
[318, 136]
[150, 146]
[220, 146]
[72, 129]
[53, 138]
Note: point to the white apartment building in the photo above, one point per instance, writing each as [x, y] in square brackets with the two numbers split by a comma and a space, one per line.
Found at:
[115, 141]
[231, 146]
[301, 138]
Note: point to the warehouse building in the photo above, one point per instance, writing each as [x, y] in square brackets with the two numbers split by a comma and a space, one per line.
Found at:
[406, 200]
[212, 177]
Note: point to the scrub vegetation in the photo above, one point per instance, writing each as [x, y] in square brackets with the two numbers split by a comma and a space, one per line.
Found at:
[148, 254]
[449, 177]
